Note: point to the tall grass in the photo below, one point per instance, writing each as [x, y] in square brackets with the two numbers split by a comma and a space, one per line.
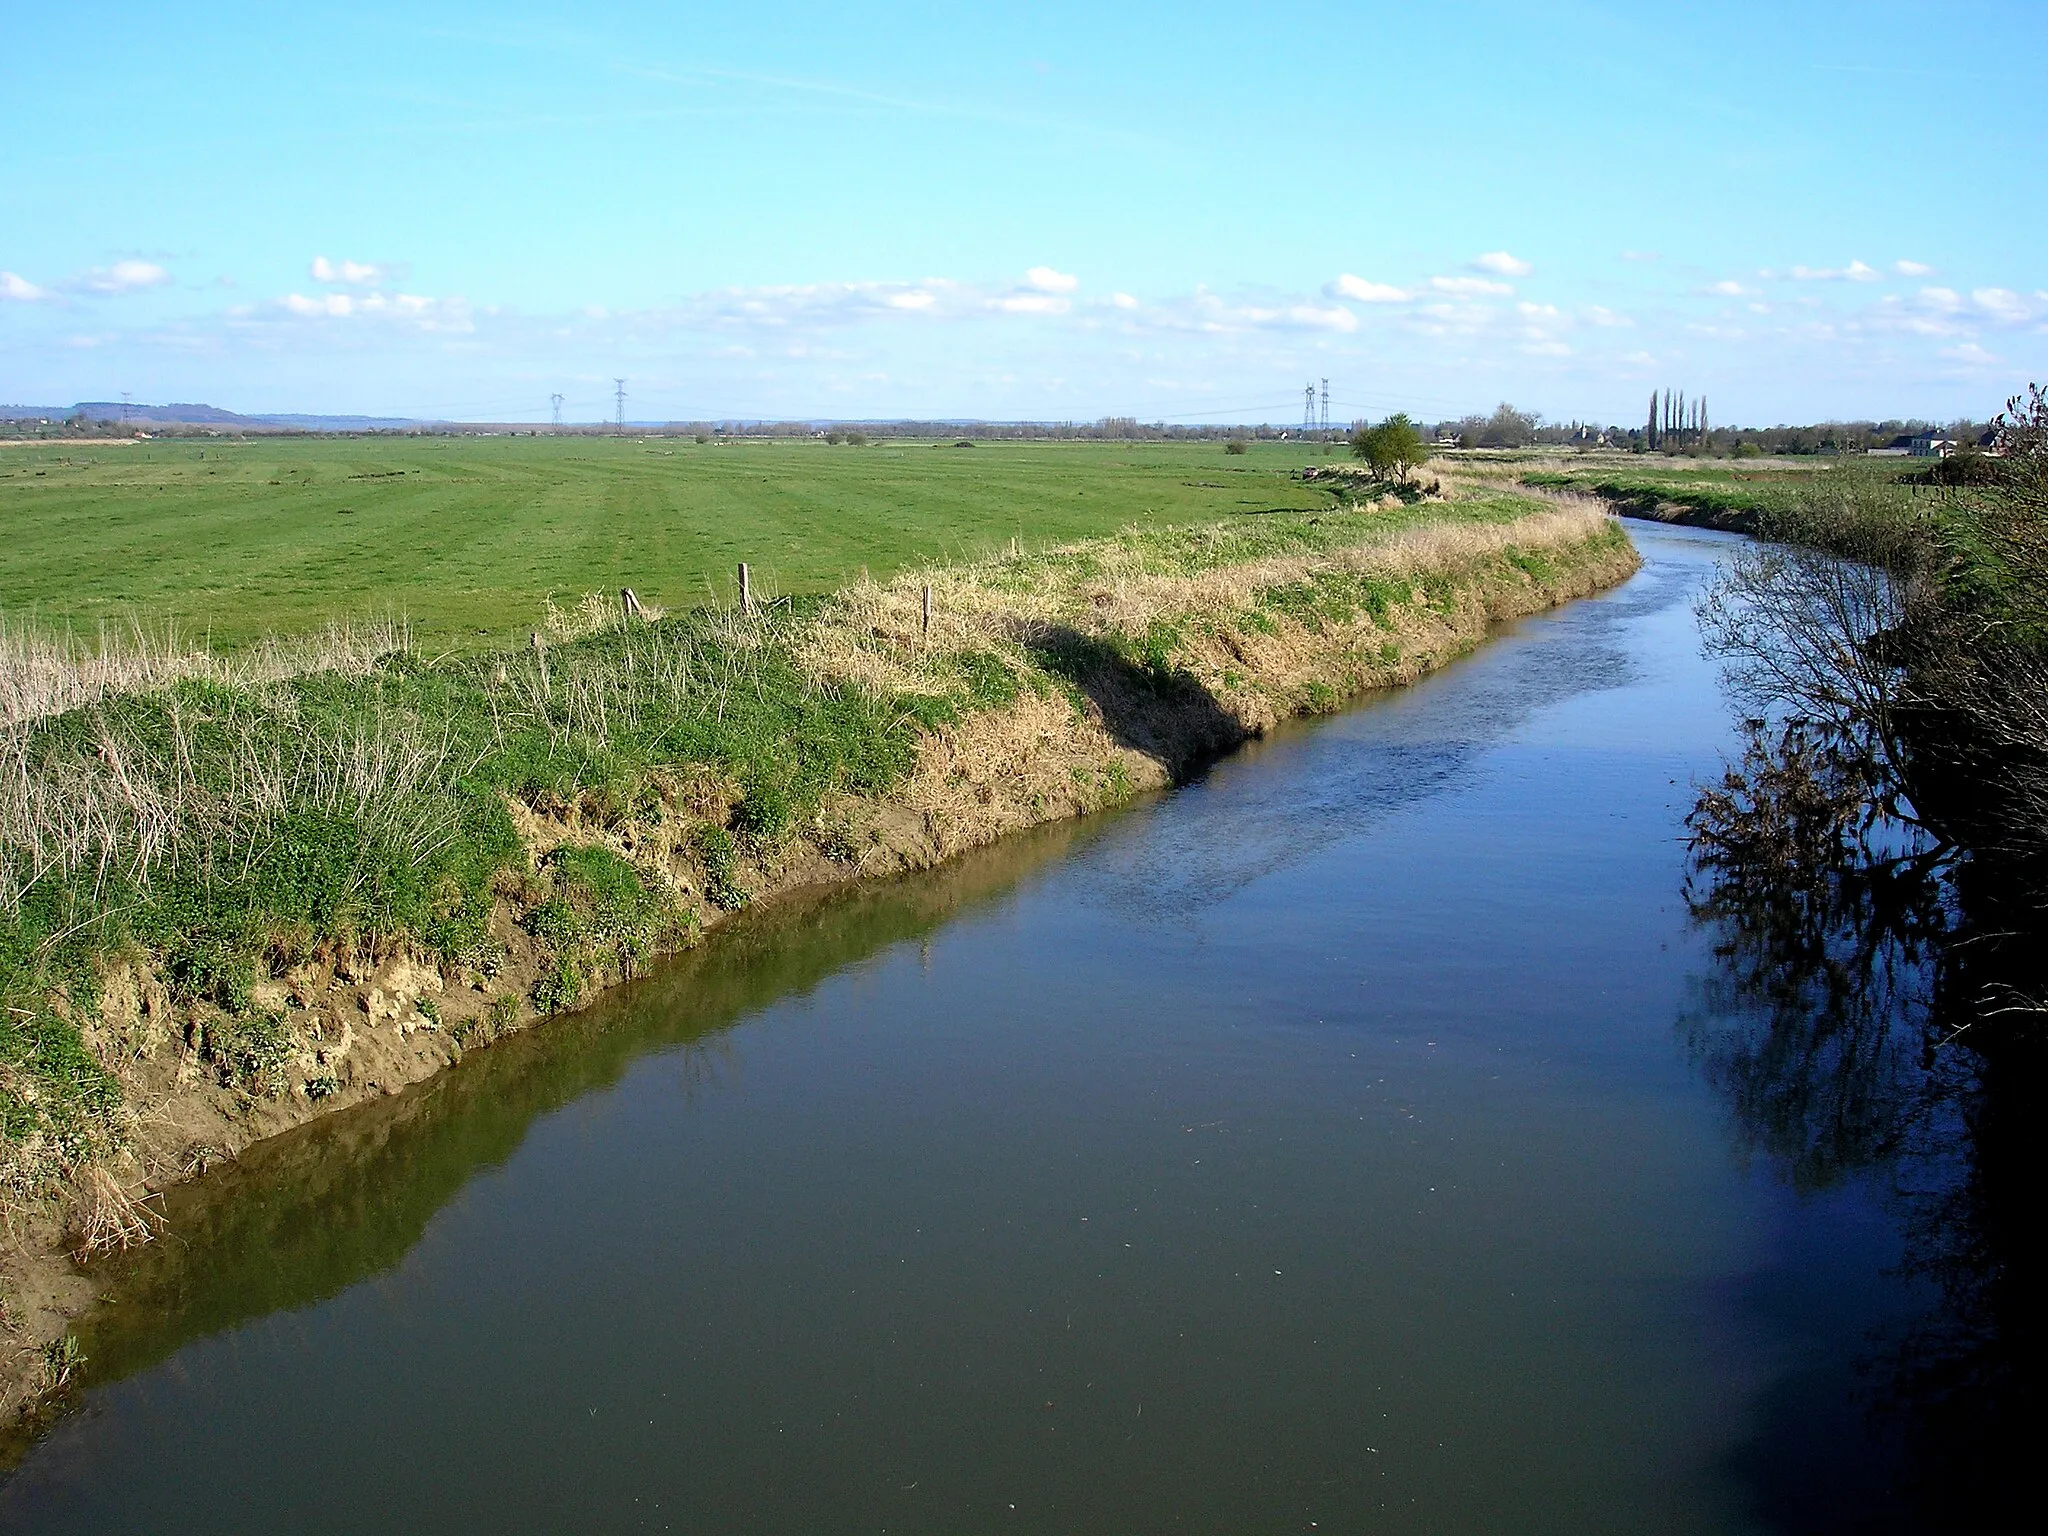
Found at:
[44, 673]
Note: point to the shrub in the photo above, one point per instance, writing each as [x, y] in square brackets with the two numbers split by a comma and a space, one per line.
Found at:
[1392, 450]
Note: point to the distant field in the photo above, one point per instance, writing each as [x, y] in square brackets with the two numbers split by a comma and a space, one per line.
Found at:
[1707, 485]
[468, 536]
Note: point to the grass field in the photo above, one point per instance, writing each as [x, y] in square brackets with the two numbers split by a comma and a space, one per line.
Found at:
[466, 537]
[1761, 486]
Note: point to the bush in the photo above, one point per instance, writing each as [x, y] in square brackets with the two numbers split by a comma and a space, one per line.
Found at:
[1392, 450]
[1235, 445]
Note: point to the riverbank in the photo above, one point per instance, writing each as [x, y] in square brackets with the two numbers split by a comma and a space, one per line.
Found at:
[256, 902]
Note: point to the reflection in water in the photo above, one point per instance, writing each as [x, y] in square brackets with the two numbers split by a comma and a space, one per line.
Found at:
[306, 1215]
[1861, 1024]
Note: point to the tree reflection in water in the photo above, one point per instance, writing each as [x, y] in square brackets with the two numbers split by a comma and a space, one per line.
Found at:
[1870, 1015]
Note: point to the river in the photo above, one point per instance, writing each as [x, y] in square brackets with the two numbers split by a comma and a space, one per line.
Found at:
[1330, 1145]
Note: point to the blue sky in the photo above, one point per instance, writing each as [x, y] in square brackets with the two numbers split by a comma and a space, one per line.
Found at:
[1800, 210]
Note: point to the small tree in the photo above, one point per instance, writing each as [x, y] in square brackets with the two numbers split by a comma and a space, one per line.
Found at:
[1509, 428]
[1392, 450]
[1234, 445]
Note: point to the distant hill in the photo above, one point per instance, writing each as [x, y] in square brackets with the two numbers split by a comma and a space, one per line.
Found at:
[184, 415]
[180, 415]
[340, 423]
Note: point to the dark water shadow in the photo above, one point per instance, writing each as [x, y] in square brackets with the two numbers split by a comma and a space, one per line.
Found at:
[305, 1215]
[1146, 704]
[1857, 1024]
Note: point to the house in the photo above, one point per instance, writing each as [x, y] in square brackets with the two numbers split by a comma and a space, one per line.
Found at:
[1916, 445]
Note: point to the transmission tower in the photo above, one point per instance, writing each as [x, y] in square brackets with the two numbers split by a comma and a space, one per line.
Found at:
[1326, 405]
[1308, 407]
[619, 395]
[555, 401]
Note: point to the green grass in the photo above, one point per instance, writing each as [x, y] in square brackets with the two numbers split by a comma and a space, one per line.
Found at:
[468, 536]
[1759, 488]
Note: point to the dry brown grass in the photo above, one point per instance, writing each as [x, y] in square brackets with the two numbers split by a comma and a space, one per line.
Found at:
[872, 634]
[44, 674]
[108, 1218]
[135, 802]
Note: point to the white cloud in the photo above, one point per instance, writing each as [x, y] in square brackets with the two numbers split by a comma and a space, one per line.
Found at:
[1729, 287]
[1641, 256]
[917, 298]
[347, 274]
[1607, 319]
[1207, 312]
[1501, 264]
[1047, 280]
[412, 309]
[2001, 304]
[337, 304]
[1468, 286]
[1969, 352]
[124, 277]
[1947, 300]
[1912, 269]
[1855, 272]
[1123, 301]
[1032, 304]
[20, 289]
[1365, 291]
[1316, 317]
[1538, 311]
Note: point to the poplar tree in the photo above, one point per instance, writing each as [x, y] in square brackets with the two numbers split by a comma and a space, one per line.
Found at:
[1650, 437]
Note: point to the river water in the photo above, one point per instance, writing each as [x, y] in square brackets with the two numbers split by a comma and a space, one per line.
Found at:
[1330, 1145]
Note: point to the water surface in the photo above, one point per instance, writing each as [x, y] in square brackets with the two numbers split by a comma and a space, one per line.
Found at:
[1324, 1146]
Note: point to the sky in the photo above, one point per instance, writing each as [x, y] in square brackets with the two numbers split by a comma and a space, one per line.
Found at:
[1799, 209]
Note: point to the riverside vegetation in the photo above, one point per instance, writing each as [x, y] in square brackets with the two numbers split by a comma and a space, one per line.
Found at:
[240, 891]
[1892, 618]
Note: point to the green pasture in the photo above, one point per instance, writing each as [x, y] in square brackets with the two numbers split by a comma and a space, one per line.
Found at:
[466, 537]
[1756, 486]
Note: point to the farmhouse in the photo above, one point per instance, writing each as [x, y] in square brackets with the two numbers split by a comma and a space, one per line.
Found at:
[1917, 445]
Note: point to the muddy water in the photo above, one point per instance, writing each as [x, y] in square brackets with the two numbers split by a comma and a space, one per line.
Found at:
[1321, 1147]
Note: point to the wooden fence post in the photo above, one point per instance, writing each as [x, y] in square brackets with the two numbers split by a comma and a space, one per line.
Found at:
[927, 611]
[746, 591]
